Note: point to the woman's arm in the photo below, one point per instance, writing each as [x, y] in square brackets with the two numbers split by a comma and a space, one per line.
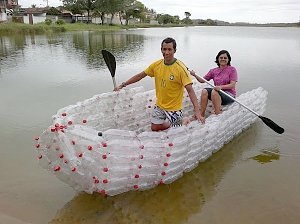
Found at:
[196, 76]
[231, 85]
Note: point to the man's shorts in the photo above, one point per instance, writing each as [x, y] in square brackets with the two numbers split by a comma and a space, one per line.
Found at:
[224, 99]
[159, 116]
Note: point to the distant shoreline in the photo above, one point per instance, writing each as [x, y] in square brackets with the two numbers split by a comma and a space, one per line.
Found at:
[267, 24]
[17, 28]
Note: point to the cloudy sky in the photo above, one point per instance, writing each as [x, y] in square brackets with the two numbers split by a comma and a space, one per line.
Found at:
[254, 11]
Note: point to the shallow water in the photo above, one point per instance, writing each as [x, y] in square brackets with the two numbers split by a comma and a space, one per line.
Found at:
[253, 179]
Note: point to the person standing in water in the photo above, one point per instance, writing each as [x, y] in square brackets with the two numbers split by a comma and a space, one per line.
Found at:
[171, 77]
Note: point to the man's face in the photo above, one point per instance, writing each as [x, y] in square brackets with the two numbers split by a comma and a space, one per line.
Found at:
[168, 52]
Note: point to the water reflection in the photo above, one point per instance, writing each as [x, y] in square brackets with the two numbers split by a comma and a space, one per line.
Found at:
[12, 44]
[267, 156]
[173, 203]
[10, 48]
[88, 45]
[83, 46]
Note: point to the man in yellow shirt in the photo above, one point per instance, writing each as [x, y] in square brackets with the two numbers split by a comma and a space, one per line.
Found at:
[171, 77]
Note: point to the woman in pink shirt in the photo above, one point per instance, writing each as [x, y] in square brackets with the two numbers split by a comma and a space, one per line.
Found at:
[224, 77]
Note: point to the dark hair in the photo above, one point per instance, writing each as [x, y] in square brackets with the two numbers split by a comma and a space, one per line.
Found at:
[169, 40]
[223, 52]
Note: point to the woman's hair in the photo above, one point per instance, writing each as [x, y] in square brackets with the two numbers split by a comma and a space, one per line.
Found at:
[169, 40]
[223, 52]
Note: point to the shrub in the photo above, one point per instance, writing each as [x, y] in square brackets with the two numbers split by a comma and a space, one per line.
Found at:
[48, 21]
[60, 22]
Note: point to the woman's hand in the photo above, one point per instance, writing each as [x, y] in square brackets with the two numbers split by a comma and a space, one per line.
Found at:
[218, 88]
[193, 73]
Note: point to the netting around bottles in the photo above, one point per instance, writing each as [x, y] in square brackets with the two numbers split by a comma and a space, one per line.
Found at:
[104, 144]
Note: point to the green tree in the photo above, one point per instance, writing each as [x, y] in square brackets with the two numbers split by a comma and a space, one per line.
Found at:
[187, 15]
[113, 7]
[187, 19]
[165, 19]
[211, 22]
[105, 7]
[133, 9]
[101, 8]
[79, 6]
[53, 11]
[126, 8]
[72, 6]
[176, 19]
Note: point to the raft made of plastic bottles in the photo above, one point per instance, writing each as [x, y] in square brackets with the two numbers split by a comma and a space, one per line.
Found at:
[104, 144]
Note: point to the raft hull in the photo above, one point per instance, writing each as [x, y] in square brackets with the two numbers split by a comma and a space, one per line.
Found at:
[104, 143]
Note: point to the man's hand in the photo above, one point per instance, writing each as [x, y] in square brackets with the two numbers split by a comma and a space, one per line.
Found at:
[118, 88]
[199, 117]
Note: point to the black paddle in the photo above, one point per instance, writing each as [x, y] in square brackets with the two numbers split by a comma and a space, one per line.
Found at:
[271, 124]
[110, 61]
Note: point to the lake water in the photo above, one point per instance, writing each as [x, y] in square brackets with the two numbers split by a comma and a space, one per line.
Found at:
[253, 179]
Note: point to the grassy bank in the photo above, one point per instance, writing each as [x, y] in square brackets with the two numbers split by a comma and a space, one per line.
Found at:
[89, 27]
[20, 28]
[42, 28]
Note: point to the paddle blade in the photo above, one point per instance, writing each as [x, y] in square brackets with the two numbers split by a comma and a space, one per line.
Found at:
[110, 61]
[272, 124]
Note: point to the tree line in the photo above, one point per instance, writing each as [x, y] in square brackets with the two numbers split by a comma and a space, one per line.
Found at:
[126, 9]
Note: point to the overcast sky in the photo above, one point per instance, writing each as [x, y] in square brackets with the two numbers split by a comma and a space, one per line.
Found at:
[254, 11]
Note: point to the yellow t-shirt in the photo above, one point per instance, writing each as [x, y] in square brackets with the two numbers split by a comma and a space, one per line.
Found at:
[170, 81]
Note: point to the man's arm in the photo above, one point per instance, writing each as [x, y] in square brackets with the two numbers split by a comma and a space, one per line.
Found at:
[133, 79]
[194, 100]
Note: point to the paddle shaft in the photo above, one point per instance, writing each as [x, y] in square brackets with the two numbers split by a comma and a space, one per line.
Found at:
[228, 95]
[114, 81]
[271, 124]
